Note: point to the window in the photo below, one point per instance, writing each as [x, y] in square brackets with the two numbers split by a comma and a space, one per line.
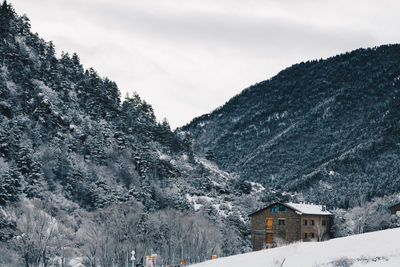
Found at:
[305, 235]
[312, 222]
[312, 235]
[274, 209]
[305, 222]
[323, 222]
[281, 221]
[282, 208]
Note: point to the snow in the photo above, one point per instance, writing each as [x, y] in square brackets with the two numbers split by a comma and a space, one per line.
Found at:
[223, 209]
[11, 86]
[308, 208]
[196, 207]
[214, 168]
[323, 103]
[50, 96]
[380, 248]
[163, 156]
[269, 143]
[340, 157]
[25, 48]
[3, 212]
[257, 187]
[326, 185]
[194, 200]
[76, 262]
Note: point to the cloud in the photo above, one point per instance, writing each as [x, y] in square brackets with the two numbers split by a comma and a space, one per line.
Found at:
[187, 57]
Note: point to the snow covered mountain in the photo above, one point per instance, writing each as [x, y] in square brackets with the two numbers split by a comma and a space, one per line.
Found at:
[328, 129]
[99, 175]
[381, 248]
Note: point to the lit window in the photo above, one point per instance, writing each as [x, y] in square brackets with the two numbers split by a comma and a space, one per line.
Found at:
[281, 222]
[305, 222]
[282, 208]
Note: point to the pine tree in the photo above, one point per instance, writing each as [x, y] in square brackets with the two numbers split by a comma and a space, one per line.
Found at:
[10, 185]
[4, 138]
[210, 155]
[6, 15]
[24, 156]
[35, 184]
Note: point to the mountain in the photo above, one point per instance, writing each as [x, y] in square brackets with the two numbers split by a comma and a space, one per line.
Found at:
[381, 249]
[327, 130]
[86, 177]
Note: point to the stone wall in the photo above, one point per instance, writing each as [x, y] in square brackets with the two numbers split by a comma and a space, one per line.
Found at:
[314, 228]
[281, 234]
[287, 226]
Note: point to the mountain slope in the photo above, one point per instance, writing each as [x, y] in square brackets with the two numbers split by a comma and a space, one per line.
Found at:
[328, 128]
[99, 175]
[379, 248]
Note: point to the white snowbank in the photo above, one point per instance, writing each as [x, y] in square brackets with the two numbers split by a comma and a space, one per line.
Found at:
[381, 248]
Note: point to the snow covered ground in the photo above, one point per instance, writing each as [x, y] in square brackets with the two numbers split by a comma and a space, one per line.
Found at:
[381, 248]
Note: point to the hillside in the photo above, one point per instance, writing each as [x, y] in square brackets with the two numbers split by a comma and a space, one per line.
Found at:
[97, 177]
[327, 129]
[372, 249]
[86, 177]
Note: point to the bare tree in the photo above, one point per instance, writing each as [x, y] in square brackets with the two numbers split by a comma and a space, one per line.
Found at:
[38, 235]
[90, 236]
[109, 235]
[321, 229]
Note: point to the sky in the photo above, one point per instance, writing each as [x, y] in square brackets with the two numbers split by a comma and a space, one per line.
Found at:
[188, 57]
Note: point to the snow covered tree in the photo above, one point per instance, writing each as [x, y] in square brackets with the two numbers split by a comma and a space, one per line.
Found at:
[35, 184]
[24, 156]
[6, 14]
[10, 184]
[210, 155]
[4, 137]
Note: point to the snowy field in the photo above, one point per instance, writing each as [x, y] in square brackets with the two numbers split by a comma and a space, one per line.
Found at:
[381, 248]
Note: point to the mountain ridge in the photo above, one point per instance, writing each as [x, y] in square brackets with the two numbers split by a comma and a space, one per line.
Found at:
[330, 107]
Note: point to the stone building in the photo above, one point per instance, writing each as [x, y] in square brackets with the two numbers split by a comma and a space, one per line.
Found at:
[283, 223]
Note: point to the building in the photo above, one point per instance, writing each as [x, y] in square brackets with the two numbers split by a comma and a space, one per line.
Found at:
[395, 209]
[282, 223]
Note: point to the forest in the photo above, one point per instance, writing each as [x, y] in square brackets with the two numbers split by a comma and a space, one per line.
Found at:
[87, 176]
[328, 129]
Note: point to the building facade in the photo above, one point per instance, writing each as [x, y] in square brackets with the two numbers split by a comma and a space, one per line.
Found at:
[283, 223]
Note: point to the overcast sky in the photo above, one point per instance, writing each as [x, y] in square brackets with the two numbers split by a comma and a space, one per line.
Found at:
[187, 57]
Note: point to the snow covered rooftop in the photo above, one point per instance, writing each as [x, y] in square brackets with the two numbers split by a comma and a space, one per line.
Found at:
[300, 208]
[308, 208]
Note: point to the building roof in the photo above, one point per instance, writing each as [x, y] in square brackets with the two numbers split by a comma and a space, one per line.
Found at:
[308, 208]
[301, 208]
